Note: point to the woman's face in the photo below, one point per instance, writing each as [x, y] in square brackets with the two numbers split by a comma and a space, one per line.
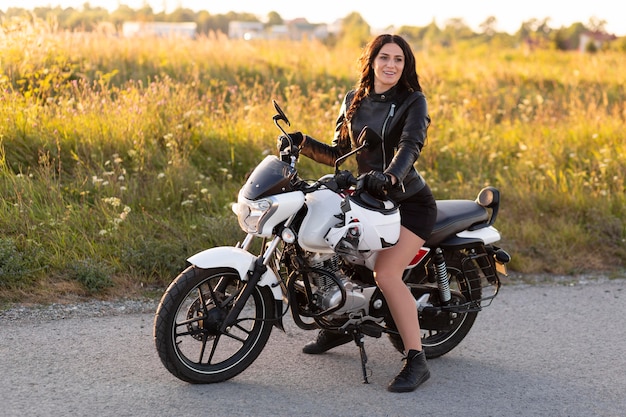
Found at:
[388, 66]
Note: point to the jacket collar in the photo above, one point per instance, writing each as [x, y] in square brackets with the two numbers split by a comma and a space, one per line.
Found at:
[385, 96]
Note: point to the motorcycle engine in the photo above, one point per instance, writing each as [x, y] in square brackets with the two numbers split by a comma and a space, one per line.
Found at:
[328, 294]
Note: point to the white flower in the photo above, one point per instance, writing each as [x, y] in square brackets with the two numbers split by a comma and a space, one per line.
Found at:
[114, 201]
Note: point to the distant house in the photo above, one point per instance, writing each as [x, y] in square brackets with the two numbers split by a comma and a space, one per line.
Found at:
[159, 29]
[245, 30]
[597, 39]
[300, 29]
[297, 29]
[335, 28]
[278, 32]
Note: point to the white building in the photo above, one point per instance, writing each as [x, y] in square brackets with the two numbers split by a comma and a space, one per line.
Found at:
[159, 29]
[245, 30]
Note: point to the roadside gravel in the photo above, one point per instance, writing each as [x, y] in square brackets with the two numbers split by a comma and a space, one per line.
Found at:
[87, 309]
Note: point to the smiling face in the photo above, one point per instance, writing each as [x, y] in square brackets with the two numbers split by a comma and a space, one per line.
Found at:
[388, 66]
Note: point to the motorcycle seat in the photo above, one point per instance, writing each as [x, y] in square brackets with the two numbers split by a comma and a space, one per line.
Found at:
[454, 216]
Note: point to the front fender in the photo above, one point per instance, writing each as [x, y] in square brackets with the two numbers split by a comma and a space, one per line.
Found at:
[240, 260]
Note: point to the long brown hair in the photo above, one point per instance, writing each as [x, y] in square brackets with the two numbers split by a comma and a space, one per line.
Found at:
[409, 79]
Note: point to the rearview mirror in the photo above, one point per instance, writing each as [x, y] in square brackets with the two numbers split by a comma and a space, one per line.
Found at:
[369, 139]
[281, 114]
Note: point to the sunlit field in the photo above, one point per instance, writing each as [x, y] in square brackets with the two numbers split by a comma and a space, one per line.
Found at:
[119, 158]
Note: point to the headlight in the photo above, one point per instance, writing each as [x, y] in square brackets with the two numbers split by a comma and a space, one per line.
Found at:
[250, 214]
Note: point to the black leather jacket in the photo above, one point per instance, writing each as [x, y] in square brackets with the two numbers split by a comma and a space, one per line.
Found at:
[401, 119]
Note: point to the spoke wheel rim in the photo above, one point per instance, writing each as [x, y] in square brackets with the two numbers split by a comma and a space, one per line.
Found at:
[198, 342]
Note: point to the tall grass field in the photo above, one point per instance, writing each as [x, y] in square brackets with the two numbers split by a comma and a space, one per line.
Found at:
[119, 158]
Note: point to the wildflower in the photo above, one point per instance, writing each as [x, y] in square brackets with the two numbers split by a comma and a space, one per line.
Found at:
[124, 213]
[114, 201]
[161, 175]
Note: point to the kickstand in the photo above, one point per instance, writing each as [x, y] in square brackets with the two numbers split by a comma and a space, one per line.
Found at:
[359, 340]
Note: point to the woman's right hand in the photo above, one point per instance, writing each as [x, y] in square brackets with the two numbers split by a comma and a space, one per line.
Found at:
[283, 141]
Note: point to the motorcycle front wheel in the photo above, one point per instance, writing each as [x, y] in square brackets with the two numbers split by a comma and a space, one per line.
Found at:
[188, 319]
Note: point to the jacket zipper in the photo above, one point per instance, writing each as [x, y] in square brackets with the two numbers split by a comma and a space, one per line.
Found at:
[389, 116]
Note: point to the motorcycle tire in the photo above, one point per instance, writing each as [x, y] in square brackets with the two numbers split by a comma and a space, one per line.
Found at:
[438, 343]
[187, 325]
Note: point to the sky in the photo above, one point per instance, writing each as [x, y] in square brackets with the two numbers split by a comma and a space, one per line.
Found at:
[380, 14]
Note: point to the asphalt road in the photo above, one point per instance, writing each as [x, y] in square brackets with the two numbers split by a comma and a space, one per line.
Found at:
[547, 350]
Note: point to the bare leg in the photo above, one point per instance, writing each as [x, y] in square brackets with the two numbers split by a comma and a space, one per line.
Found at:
[388, 271]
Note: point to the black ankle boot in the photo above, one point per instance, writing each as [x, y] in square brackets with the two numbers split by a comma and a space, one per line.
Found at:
[413, 373]
[326, 340]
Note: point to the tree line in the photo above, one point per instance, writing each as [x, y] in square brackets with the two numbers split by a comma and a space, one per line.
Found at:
[535, 33]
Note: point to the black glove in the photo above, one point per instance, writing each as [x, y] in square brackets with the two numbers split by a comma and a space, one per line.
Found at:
[296, 140]
[377, 183]
[345, 179]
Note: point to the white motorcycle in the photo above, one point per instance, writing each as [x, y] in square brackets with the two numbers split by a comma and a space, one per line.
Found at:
[319, 242]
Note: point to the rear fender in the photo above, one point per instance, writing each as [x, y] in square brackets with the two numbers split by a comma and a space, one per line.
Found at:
[488, 234]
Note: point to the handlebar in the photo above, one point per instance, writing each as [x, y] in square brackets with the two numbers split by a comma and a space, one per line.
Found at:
[338, 182]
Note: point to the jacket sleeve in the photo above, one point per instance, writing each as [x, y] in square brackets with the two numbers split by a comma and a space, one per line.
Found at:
[323, 152]
[412, 138]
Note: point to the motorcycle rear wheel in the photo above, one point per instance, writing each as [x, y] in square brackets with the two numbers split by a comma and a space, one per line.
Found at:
[188, 319]
[438, 343]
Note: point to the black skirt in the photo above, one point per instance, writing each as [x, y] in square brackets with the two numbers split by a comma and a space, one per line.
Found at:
[418, 213]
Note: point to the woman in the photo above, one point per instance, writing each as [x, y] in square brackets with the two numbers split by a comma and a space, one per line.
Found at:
[388, 98]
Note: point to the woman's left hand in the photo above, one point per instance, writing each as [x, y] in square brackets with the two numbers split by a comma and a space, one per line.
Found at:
[377, 183]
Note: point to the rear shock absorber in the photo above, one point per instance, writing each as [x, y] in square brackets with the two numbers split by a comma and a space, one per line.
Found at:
[443, 281]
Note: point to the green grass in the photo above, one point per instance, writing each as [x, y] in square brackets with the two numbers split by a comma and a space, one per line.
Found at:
[119, 157]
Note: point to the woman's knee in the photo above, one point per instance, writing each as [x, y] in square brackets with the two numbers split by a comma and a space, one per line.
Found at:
[387, 278]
